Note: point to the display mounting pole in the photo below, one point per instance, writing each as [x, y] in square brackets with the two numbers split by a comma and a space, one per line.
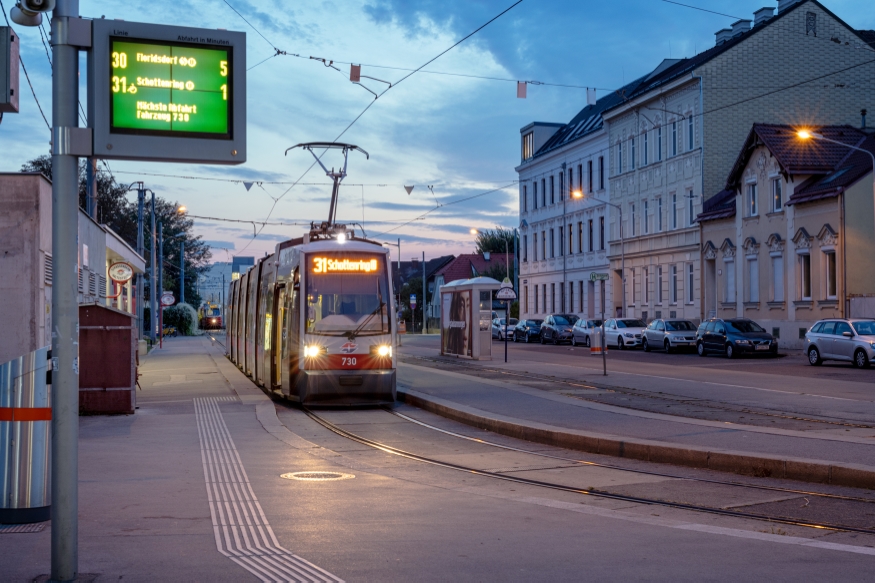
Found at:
[153, 282]
[141, 250]
[65, 331]
[506, 324]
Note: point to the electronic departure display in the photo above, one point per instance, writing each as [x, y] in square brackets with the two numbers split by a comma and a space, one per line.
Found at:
[330, 265]
[169, 88]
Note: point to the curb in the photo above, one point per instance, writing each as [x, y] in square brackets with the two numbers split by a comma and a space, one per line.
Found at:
[736, 462]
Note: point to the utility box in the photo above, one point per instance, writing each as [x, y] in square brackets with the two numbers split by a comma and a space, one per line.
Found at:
[8, 70]
[466, 318]
[107, 361]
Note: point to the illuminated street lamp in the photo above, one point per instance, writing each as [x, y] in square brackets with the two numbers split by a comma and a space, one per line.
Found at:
[579, 194]
[811, 135]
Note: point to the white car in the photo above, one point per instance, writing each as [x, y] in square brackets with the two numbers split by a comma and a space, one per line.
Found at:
[624, 332]
[500, 330]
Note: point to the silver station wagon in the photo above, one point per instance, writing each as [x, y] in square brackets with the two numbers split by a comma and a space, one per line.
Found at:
[849, 339]
[669, 335]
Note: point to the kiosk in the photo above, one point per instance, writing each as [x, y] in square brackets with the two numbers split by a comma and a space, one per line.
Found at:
[466, 318]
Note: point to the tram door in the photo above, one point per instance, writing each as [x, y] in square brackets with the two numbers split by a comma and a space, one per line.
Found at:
[291, 335]
[279, 332]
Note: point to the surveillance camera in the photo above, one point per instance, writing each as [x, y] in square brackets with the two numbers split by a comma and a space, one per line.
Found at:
[28, 12]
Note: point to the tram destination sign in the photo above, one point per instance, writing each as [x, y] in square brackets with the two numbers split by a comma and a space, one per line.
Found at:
[167, 93]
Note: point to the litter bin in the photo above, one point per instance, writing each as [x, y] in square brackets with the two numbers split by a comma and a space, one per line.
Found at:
[25, 425]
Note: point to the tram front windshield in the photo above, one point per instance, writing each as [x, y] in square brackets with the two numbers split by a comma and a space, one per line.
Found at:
[347, 293]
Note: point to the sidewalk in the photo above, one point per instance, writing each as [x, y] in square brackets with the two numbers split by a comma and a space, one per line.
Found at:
[503, 407]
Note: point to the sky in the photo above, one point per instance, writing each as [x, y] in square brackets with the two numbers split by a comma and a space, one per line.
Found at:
[458, 134]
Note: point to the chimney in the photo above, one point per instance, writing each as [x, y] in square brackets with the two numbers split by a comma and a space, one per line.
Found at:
[863, 115]
[740, 27]
[723, 35]
[762, 15]
[486, 256]
[785, 4]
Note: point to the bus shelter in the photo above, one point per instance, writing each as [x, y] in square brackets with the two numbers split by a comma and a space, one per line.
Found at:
[466, 318]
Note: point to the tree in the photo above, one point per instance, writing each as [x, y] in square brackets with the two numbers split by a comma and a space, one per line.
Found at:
[497, 271]
[493, 240]
[119, 214]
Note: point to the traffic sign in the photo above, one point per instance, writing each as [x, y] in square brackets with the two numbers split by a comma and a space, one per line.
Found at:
[506, 294]
[413, 301]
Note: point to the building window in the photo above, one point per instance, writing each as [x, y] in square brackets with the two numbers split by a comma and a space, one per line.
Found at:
[777, 279]
[528, 145]
[753, 280]
[570, 238]
[601, 172]
[601, 233]
[659, 215]
[674, 138]
[561, 297]
[777, 195]
[646, 216]
[591, 248]
[552, 297]
[543, 244]
[543, 192]
[525, 248]
[580, 236]
[545, 297]
[552, 244]
[526, 300]
[674, 210]
[619, 157]
[752, 200]
[831, 287]
[525, 198]
[729, 282]
[535, 247]
[580, 177]
[535, 194]
[646, 285]
[589, 174]
[690, 278]
[691, 214]
[561, 241]
[631, 220]
[536, 299]
[674, 284]
[644, 149]
[634, 295]
[690, 136]
[552, 189]
[659, 297]
[561, 186]
[570, 181]
[580, 295]
[632, 152]
[659, 144]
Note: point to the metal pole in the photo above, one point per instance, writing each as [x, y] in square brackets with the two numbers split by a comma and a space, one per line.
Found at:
[424, 303]
[91, 188]
[161, 283]
[506, 324]
[153, 282]
[182, 272]
[623, 260]
[562, 244]
[141, 250]
[65, 331]
[224, 324]
[604, 349]
[516, 255]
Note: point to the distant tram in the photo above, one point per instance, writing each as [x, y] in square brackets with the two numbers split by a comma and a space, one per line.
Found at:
[210, 317]
[313, 321]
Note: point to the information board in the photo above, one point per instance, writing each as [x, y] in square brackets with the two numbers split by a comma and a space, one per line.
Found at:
[170, 89]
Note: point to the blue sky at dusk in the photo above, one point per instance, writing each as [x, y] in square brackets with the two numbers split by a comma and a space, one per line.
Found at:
[458, 134]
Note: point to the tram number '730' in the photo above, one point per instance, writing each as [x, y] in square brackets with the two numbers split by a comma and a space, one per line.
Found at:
[348, 361]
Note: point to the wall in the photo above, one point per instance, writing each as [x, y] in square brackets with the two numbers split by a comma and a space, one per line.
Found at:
[859, 236]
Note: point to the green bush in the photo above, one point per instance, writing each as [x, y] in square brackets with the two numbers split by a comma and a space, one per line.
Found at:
[180, 318]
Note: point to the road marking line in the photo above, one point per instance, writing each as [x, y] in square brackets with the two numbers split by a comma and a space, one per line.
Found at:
[240, 528]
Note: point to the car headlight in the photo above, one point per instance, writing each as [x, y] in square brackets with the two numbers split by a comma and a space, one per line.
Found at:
[742, 342]
[628, 335]
[383, 350]
[872, 344]
[314, 350]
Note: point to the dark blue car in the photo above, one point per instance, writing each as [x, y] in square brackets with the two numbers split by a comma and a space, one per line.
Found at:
[527, 331]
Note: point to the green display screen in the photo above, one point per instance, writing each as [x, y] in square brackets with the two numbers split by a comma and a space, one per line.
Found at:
[169, 88]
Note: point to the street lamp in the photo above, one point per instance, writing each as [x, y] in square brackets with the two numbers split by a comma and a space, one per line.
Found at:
[579, 194]
[809, 135]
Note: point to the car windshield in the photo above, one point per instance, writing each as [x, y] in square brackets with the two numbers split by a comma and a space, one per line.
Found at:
[630, 324]
[533, 322]
[865, 328]
[514, 321]
[595, 323]
[679, 326]
[743, 326]
[347, 294]
[561, 321]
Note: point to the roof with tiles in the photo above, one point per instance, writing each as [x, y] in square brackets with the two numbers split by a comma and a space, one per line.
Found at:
[719, 206]
[854, 166]
[410, 269]
[470, 265]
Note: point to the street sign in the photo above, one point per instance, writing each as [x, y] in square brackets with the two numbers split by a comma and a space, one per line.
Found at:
[8, 70]
[598, 276]
[167, 93]
[167, 299]
[506, 294]
[413, 301]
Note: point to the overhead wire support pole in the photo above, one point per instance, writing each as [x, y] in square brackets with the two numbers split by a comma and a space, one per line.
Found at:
[65, 329]
[153, 301]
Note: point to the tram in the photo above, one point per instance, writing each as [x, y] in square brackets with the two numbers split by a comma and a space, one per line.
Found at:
[313, 321]
[210, 317]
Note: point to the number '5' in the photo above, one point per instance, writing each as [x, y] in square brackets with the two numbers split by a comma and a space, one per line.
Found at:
[223, 67]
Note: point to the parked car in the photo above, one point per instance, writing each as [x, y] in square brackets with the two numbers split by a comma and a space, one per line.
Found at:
[733, 337]
[669, 335]
[581, 331]
[500, 329]
[557, 328]
[624, 332]
[527, 330]
[841, 339]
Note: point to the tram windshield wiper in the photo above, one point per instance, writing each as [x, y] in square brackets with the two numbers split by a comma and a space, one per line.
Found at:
[352, 334]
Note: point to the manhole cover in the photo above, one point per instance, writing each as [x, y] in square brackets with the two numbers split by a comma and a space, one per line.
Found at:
[317, 476]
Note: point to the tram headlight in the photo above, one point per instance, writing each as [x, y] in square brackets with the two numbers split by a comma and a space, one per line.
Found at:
[383, 350]
[313, 350]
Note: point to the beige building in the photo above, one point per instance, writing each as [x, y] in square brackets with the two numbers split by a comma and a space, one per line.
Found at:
[789, 240]
[675, 136]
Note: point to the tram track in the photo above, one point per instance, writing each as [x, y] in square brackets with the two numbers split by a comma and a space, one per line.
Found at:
[597, 493]
[646, 395]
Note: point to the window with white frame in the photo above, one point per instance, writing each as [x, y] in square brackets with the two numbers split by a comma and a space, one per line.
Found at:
[535, 194]
[751, 201]
[580, 247]
[691, 213]
[561, 186]
[601, 233]
[753, 280]
[659, 214]
[690, 136]
[552, 243]
[659, 297]
[690, 281]
[777, 278]
[591, 236]
[674, 210]
[526, 299]
[804, 276]
[674, 138]
[634, 294]
[525, 248]
[601, 172]
[535, 248]
[631, 219]
[647, 285]
[525, 198]
[674, 284]
[646, 216]
[536, 299]
[552, 189]
[659, 144]
[543, 192]
[589, 175]
[528, 145]
[632, 153]
[543, 244]
[645, 152]
[561, 241]
[777, 195]
[830, 266]
[729, 281]
[619, 157]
